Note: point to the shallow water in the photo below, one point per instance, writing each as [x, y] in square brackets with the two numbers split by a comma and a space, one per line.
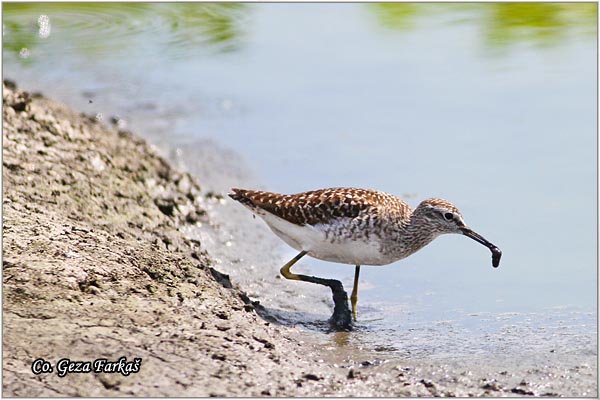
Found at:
[491, 106]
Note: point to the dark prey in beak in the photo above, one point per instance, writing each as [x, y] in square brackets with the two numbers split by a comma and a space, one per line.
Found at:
[496, 253]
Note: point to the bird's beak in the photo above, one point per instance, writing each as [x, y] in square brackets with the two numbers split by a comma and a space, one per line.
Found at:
[496, 253]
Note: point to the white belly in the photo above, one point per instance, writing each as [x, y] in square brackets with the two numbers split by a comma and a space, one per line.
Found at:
[313, 239]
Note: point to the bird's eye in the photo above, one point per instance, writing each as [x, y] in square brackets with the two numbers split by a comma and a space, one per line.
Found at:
[449, 216]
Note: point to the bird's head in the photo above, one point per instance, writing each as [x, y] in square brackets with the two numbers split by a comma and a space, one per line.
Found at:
[443, 217]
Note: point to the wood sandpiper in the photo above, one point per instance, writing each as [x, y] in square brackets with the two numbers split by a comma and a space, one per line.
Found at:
[355, 226]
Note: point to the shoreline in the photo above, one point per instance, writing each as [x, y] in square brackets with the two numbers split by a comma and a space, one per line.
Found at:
[95, 267]
[102, 259]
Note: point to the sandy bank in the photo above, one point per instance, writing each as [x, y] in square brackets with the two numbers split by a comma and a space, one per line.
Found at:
[95, 267]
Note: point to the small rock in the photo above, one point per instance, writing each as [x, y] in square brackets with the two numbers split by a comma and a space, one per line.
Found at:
[311, 377]
[20, 106]
[223, 279]
[185, 184]
[427, 383]
[522, 391]
[97, 163]
[193, 217]
[166, 205]
[491, 386]
[222, 315]
[223, 327]
[265, 342]
[12, 85]
[110, 381]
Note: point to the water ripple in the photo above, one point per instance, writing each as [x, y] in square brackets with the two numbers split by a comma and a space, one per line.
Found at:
[92, 29]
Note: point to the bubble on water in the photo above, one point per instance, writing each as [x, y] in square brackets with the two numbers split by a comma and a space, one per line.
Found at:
[43, 26]
[99, 116]
[24, 53]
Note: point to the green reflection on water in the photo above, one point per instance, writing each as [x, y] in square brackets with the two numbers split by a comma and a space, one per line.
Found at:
[90, 28]
[502, 24]
[183, 29]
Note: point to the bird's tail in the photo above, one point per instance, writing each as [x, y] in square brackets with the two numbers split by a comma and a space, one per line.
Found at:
[240, 195]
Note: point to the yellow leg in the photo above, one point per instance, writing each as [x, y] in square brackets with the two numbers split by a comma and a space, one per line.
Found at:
[285, 270]
[354, 296]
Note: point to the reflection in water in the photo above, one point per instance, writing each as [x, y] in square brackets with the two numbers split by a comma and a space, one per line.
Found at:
[399, 15]
[503, 24]
[187, 28]
[182, 29]
[341, 339]
[217, 24]
[542, 24]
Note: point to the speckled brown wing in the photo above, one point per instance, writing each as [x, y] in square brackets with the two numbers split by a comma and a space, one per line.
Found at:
[319, 206]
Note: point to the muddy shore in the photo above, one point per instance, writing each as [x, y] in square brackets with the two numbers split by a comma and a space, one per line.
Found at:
[98, 264]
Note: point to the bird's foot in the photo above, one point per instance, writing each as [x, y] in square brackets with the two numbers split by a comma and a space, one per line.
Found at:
[341, 320]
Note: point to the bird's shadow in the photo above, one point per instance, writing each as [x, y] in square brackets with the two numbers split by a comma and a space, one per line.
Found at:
[310, 321]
